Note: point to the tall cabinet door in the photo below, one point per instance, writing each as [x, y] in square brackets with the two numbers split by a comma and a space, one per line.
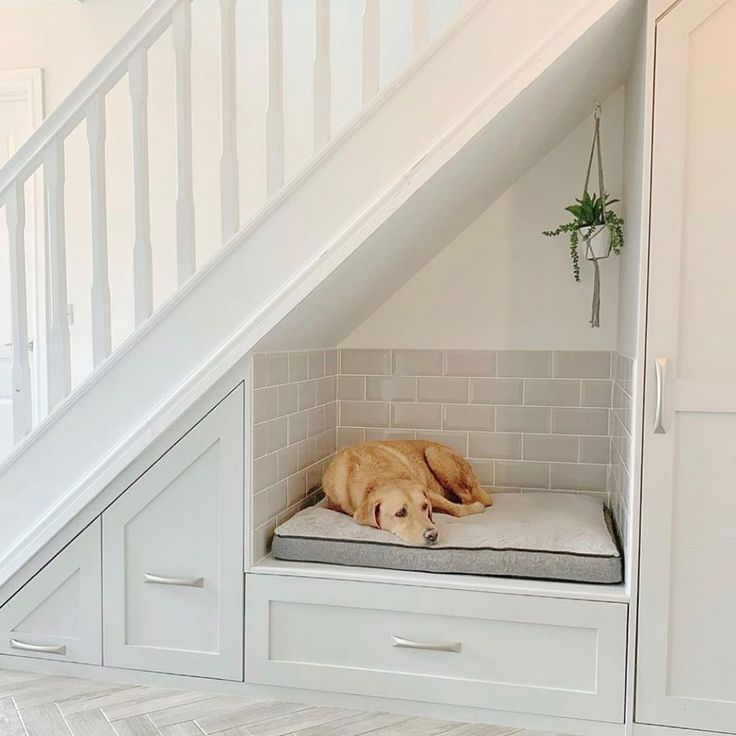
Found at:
[686, 669]
[172, 556]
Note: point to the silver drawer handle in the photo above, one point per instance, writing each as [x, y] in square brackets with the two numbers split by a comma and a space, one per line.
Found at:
[659, 365]
[40, 648]
[432, 646]
[162, 580]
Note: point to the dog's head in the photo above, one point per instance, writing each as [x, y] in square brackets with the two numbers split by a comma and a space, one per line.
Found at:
[400, 507]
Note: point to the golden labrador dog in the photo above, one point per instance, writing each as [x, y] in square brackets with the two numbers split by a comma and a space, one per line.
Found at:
[395, 486]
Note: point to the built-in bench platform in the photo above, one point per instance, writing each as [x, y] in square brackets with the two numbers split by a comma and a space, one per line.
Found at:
[548, 536]
[499, 645]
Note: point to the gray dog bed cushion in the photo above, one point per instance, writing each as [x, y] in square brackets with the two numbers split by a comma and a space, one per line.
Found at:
[547, 536]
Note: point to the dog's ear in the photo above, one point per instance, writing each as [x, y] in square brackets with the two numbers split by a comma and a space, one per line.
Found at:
[369, 513]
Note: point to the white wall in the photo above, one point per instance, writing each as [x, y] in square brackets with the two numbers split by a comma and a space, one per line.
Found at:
[65, 38]
[501, 284]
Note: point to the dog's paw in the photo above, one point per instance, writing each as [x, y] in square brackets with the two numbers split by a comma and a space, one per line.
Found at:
[476, 508]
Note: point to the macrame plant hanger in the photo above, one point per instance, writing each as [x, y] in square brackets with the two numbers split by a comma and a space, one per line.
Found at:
[595, 316]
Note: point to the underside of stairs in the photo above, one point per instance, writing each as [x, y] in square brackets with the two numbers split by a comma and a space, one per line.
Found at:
[468, 118]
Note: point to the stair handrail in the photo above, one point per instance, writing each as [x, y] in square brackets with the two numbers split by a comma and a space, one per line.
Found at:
[103, 76]
[45, 150]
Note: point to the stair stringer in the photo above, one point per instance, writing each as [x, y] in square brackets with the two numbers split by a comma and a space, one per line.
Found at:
[303, 234]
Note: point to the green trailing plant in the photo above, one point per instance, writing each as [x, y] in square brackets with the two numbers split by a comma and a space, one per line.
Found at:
[589, 213]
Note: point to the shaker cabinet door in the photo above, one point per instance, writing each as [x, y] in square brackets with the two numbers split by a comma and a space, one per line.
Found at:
[686, 666]
[57, 614]
[172, 556]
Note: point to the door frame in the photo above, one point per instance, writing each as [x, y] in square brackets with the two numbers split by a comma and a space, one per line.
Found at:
[27, 85]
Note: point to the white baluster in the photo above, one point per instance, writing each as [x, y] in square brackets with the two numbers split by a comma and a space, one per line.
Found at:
[142, 260]
[59, 356]
[229, 188]
[420, 26]
[322, 82]
[15, 215]
[182, 35]
[275, 111]
[371, 49]
[101, 336]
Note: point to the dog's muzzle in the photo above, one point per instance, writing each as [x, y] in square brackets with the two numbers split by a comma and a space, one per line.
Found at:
[430, 536]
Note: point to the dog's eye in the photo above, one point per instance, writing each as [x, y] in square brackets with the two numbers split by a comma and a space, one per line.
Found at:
[425, 507]
[402, 512]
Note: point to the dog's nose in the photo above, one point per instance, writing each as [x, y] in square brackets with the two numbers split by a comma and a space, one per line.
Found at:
[430, 536]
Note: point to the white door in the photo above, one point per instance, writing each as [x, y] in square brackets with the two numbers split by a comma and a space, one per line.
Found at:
[20, 113]
[686, 672]
[172, 556]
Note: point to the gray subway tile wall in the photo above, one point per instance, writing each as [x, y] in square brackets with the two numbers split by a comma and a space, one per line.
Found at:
[470, 363]
[526, 419]
[507, 391]
[417, 362]
[620, 470]
[294, 435]
[525, 363]
[390, 388]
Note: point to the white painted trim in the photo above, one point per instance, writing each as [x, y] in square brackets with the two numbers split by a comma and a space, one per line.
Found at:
[27, 84]
[558, 40]
[507, 586]
[632, 565]
[248, 468]
[660, 8]
[550, 724]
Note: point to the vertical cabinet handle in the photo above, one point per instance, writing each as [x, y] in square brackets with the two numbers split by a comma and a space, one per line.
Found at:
[659, 366]
[432, 646]
[163, 580]
[38, 648]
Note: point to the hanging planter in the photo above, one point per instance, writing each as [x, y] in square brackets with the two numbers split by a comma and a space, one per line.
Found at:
[595, 226]
[598, 244]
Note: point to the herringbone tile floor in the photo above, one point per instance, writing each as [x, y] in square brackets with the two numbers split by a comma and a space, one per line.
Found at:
[45, 705]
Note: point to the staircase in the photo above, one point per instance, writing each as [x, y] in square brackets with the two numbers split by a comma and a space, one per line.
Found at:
[475, 107]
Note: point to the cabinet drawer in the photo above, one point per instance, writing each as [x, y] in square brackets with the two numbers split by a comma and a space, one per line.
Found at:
[172, 543]
[546, 656]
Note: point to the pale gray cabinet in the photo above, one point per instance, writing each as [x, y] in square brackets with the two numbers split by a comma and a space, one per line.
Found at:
[686, 669]
[56, 614]
[172, 556]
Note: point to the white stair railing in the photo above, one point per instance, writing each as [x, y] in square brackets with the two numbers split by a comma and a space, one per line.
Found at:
[44, 152]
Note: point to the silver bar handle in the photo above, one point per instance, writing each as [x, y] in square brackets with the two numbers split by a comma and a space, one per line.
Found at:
[39, 648]
[163, 580]
[432, 646]
[660, 364]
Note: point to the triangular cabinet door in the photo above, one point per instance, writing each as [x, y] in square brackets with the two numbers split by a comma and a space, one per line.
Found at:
[57, 613]
[173, 556]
